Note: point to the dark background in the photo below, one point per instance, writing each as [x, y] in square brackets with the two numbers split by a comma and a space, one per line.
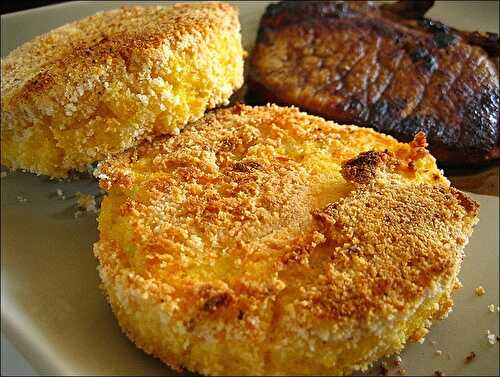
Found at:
[8, 6]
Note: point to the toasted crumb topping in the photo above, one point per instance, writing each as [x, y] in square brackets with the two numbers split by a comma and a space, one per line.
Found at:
[101, 85]
[242, 229]
[122, 33]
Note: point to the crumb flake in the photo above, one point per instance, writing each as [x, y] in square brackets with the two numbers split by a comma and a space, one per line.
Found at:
[60, 194]
[438, 352]
[21, 199]
[86, 202]
[401, 371]
[491, 308]
[471, 356]
[439, 373]
[492, 338]
[480, 291]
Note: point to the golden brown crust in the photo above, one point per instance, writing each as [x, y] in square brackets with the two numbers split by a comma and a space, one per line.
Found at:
[238, 246]
[102, 84]
[388, 241]
[363, 168]
[79, 50]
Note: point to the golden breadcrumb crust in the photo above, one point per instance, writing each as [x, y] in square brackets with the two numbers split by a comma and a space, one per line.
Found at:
[267, 241]
[100, 85]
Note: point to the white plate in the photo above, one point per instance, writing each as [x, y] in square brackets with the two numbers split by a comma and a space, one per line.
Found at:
[55, 314]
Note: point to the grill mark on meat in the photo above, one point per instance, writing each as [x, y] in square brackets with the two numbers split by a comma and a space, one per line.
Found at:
[392, 75]
[437, 96]
[420, 96]
[342, 75]
[464, 63]
[320, 88]
[425, 94]
[345, 76]
[444, 85]
[378, 64]
[334, 82]
[364, 76]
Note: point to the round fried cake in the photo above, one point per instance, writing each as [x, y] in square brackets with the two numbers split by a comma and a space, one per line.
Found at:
[101, 85]
[266, 241]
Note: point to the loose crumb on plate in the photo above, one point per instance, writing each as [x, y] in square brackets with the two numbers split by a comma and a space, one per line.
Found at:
[491, 308]
[86, 202]
[480, 291]
[79, 213]
[492, 338]
[21, 199]
[60, 194]
[401, 371]
[438, 352]
[471, 356]
[439, 373]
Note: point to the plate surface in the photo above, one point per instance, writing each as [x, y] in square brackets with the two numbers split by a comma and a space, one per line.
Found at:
[56, 315]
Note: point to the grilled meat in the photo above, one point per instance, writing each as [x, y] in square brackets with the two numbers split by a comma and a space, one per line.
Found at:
[385, 67]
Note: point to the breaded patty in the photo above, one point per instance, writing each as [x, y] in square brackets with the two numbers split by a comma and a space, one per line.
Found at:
[266, 241]
[101, 85]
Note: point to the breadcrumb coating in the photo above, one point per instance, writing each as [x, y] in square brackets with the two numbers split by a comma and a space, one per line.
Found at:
[264, 241]
[101, 85]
